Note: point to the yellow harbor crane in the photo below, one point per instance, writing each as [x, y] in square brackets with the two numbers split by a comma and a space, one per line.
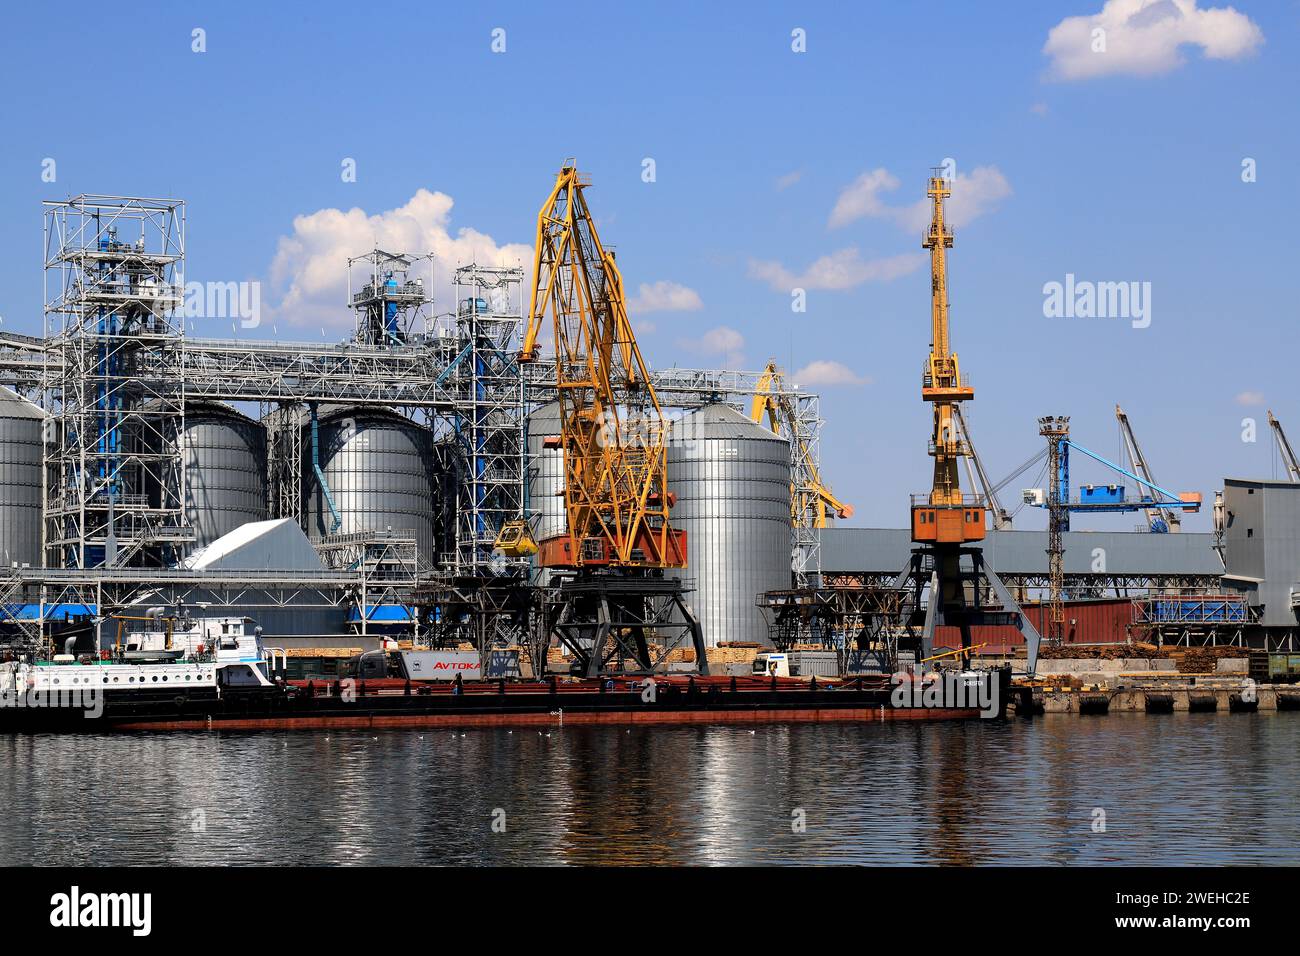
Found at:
[811, 500]
[614, 607]
[612, 429]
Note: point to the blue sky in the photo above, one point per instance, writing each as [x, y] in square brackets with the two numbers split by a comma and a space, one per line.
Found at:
[1127, 171]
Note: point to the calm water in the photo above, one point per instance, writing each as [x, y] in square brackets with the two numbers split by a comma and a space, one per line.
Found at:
[1178, 789]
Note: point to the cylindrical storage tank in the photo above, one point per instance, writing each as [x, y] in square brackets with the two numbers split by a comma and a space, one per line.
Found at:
[20, 480]
[223, 454]
[380, 469]
[732, 481]
[545, 473]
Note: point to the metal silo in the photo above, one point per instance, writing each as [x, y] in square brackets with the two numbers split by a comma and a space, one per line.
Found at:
[223, 454]
[732, 481]
[20, 480]
[545, 473]
[545, 477]
[379, 472]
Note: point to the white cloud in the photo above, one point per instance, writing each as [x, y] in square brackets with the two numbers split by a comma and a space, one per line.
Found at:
[973, 194]
[1146, 39]
[1250, 398]
[843, 269]
[309, 271]
[826, 372]
[789, 179]
[721, 341]
[1039, 109]
[664, 296]
[861, 198]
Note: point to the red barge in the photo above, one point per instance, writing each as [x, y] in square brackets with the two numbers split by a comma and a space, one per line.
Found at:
[394, 703]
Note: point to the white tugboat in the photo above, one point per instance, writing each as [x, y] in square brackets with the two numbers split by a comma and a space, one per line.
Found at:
[160, 659]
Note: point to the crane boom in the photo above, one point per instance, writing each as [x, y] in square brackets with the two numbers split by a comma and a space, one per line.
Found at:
[1289, 459]
[811, 499]
[1001, 517]
[612, 429]
[1139, 464]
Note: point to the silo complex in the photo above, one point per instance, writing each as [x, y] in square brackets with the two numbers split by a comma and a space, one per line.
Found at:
[20, 480]
[732, 482]
[369, 470]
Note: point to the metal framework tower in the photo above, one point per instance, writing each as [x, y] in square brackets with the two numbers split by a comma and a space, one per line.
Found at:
[114, 284]
[488, 420]
[1056, 429]
[389, 299]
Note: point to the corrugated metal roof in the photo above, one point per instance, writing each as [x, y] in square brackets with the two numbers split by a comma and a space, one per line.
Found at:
[545, 419]
[881, 550]
[13, 405]
[719, 421]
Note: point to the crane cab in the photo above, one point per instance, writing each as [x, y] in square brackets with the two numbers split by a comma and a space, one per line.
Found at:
[947, 524]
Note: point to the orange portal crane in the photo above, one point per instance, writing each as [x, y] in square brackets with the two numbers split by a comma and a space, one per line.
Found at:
[945, 517]
[964, 591]
[811, 499]
[610, 602]
[612, 429]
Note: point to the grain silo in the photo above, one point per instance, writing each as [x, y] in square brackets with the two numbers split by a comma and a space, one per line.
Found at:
[223, 454]
[732, 482]
[369, 469]
[20, 480]
[545, 473]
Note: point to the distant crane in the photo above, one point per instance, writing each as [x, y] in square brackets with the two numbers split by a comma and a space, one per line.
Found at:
[1284, 448]
[811, 499]
[1092, 498]
[1158, 520]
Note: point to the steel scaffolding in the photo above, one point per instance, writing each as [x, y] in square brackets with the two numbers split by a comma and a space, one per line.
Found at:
[488, 416]
[114, 270]
[390, 299]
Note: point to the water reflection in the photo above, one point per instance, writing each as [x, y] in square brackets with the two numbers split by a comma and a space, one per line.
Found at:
[1177, 789]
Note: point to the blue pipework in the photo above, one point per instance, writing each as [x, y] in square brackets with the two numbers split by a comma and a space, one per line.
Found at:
[320, 475]
[390, 311]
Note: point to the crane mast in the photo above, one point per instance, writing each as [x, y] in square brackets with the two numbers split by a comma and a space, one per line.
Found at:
[611, 426]
[944, 516]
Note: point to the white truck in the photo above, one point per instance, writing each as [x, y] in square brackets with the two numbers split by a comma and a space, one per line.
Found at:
[797, 664]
